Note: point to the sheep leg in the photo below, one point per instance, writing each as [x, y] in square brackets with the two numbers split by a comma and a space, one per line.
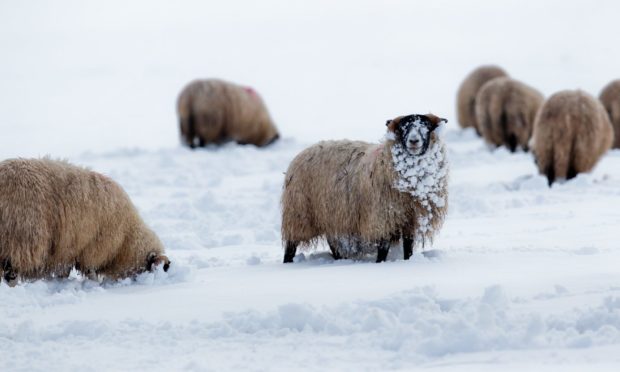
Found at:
[333, 246]
[550, 174]
[382, 250]
[91, 274]
[572, 173]
[272, 140]
[291, 250]
[407, 247]
[191, 131]
[512, 142]
[8, 274]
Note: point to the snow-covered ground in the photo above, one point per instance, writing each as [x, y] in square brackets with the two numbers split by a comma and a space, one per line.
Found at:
[522, 276]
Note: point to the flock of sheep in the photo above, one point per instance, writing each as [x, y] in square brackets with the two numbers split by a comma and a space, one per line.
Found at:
[360, 197]
[567, 133]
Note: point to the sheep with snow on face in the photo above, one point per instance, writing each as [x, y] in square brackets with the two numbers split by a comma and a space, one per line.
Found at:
[571, 133]
[362, 196]
[214, 111]
[55, 216]
[466, 95]
[610, 98]
[505, 112]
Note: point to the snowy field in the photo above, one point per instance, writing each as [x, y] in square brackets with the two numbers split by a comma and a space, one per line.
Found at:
[521, 277]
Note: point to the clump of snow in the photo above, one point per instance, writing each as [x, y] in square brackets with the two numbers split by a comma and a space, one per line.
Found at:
[423, 176]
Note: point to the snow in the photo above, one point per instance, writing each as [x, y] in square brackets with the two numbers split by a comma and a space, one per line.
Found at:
[520, 277]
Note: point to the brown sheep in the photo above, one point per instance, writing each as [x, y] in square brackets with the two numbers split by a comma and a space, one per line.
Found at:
[571, 132]
[216, 111]
[610, 97]
[466, 96]
[362, 196]
[55, 216]
[505, 112]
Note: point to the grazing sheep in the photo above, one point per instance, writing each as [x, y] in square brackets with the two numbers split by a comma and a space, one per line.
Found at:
[55, 216]
[571, 132]
[362, 196]
[505, 112]
[610, 97]
[216, 111]
[466, 96]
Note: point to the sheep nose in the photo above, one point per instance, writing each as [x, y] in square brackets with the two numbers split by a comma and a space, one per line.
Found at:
[413, 141]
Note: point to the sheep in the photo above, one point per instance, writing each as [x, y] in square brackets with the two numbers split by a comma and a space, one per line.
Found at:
[505, 112]
[362, 197]
[217, 111]
[571, 132]
[466, 95]
[610, 98]
[55, 216]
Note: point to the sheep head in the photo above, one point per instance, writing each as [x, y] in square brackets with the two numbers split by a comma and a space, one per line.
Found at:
[413, 132]
[153, 260]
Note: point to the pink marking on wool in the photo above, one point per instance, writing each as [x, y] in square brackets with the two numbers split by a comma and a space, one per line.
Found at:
[250, 91]
[377, 150]
[375, 153]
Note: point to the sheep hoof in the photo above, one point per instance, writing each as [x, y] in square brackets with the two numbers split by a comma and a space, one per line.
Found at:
[155, 260]
[291, 250]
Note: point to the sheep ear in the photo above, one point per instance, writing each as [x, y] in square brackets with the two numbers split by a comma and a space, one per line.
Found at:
[435, 121]
[392, 125]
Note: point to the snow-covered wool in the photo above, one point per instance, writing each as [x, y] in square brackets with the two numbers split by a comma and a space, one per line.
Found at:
[466, 96]
[55, 216]
[571, 132]
[610, 98]
[362, 196]
[505, 112]
[217, 111]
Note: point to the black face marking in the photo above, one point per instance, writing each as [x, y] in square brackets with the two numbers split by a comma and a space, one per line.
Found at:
[414, 122]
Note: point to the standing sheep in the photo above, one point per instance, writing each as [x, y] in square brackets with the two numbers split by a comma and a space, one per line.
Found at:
[466, 96]
[505, 112]
[216, 111]
[362, 196]
[571, 132]
[610, 97]
[55, 216]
